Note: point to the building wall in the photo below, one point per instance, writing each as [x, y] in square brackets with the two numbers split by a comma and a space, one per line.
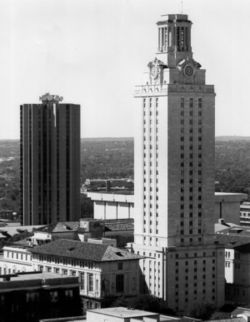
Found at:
[228, 205]
[113, 210]
[245, 214]
[238, 288]
[50, 163]
[30, 301]
[230, 265]
[15, 260]
[196, 276]
[86, 271]
[131, 272]
[96, 280]
[185, 276]
[112, 206]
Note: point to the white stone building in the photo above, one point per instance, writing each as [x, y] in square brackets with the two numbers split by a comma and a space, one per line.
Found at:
[227, 205]
[174, 175]
[112, 205]
[15, 259]
[104, 271]
[123, 314]
[245, 214]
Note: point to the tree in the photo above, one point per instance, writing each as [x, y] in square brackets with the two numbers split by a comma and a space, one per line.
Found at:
[144, 302]
[203, 311]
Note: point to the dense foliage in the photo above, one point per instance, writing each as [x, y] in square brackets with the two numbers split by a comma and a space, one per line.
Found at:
[113, 158]
[144, 302]
[107, 158]
[232, 165]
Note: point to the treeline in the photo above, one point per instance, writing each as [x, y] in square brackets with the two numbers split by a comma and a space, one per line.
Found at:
[114, 158]
[232, 165]
[107, 158]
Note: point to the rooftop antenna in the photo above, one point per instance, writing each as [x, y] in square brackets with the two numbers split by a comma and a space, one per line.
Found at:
[181, 6]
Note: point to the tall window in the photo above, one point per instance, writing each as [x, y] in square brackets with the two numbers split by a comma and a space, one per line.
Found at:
[82, 281]
[90, 282]
[119, 283]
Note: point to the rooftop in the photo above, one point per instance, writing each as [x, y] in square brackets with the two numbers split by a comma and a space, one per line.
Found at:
[234, 236]
[230, 196]
[35, 280]
[13, 230]
[123, 312]
[126, 224]
[84, 251]
[60, 227]
[32, 276]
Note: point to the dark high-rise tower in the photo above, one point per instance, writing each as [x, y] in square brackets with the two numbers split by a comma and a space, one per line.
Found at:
[49, 161]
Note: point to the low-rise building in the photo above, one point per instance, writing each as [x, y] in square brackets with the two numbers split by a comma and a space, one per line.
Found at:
[16, 258]
[227, 206]
[238, 275]
[122, 230]
[237, 263]
[112, 205]
[123, 314]
[104, 271]
[108, 205]
[33, 296]
[245, 214]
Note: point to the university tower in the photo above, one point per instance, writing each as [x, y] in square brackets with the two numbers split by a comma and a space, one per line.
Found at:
[174, 175]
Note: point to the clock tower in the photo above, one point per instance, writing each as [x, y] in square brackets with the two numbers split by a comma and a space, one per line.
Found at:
[174, 175]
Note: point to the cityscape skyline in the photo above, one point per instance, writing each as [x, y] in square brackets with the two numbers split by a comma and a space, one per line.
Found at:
[156, 242]
[47, 47]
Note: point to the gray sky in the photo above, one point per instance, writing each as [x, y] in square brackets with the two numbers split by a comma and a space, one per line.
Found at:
[93, 52]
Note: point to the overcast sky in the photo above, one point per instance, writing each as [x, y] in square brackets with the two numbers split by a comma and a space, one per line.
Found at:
[93, 52]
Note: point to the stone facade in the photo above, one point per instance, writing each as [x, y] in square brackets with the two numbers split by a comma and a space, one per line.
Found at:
[112, 206]
[15, 259]
[115, 273]
[174, 175]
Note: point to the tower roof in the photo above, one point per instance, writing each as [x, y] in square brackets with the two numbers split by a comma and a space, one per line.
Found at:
[48, 98]
[169, 18]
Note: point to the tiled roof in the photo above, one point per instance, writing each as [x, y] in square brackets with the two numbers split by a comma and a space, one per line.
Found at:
[84, 251]
[119, 224]
[113, 225]
[234, 236]
[66, 226]
[61, 227]
[14, 230]
[23, 243]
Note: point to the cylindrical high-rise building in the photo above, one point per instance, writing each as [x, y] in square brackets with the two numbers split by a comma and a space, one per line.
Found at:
[49, 161]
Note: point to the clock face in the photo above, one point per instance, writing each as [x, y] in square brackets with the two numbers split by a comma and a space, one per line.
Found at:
[188, 70]
[155, 71]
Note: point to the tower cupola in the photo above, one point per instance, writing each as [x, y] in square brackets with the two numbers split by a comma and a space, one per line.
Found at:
[174, 38]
